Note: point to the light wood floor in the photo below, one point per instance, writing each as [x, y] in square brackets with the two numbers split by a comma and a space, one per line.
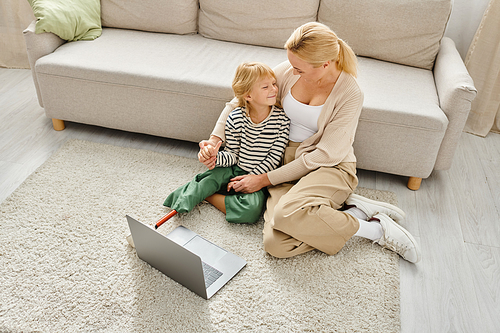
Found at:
[455, 215]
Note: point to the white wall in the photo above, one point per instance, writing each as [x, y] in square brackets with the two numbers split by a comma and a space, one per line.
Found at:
[464, 20]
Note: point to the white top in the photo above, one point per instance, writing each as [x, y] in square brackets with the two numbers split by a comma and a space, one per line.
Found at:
[303, 118]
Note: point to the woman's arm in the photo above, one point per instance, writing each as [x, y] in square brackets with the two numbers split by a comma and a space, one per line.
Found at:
[208, 156]
[250, 183]
[220, 125]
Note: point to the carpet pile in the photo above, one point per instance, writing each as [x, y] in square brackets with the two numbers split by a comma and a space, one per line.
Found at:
[65, 264]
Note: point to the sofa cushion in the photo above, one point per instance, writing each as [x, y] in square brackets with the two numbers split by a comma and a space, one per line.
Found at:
[406, 32]
[266, 23]
[71, 20]
[145, 82]
[173, 16]
[400, 95]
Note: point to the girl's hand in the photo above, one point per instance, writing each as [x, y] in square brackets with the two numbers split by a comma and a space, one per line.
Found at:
[249, 183]
[208, 153]
[203, 144]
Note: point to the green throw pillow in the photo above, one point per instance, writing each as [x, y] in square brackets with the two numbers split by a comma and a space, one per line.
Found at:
[69, 19]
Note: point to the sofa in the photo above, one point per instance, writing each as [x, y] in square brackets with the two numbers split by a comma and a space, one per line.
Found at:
[165, 68]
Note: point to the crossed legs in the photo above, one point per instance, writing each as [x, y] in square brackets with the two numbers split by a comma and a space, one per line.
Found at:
[305, 216]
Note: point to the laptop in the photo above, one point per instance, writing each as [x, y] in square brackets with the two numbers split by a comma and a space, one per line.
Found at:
[186, 257]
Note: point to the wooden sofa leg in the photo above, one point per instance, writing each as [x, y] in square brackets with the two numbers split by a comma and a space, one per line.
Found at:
[58, 124]
[414, 183]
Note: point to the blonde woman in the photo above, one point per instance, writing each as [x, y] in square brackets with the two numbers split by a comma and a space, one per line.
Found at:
[311, 205]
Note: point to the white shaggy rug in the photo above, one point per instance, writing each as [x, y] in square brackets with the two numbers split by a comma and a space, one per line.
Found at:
[66, 266]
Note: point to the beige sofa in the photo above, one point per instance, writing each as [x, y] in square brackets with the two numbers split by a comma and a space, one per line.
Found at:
[165, 67]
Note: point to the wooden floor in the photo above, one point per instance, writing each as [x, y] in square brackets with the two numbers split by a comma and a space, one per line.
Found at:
[455, 215]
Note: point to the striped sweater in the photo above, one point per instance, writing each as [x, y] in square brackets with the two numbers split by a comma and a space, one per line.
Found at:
[256, 148]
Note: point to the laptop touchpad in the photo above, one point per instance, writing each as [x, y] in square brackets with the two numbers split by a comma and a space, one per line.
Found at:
[208, 252]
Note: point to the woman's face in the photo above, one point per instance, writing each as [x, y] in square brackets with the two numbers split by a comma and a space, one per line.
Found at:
[305, 69]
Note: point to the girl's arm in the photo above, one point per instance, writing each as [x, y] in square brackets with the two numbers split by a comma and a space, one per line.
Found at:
[229, 156]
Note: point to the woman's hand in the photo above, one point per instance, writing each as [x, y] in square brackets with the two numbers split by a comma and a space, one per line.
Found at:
[249, 183]
[208, 151]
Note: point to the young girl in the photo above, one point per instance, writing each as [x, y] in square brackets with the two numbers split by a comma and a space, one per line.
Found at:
[256, 134]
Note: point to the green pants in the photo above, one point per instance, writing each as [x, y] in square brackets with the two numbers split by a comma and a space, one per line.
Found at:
[240, 207]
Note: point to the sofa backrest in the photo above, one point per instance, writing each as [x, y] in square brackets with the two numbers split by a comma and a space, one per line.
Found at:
[407, 32]
[168, 16]
[402, 31]
[256, 22]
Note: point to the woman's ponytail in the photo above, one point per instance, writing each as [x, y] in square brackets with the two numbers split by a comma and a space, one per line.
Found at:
[347, 60]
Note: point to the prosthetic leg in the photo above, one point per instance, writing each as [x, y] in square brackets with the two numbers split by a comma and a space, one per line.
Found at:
[165, 218]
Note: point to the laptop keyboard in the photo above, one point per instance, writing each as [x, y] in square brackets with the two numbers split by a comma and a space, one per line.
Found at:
[211, 274]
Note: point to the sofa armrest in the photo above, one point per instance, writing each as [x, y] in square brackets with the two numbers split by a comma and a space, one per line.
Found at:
[456, 91]
[37, 46]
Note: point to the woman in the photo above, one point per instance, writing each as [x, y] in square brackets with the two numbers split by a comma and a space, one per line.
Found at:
[320, 95]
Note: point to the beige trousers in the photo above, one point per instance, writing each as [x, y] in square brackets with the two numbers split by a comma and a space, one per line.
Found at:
[303, 216]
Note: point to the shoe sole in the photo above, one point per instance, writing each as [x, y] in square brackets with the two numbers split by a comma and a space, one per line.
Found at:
[378, 203]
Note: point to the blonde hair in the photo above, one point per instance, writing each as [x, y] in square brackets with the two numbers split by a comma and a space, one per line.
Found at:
[316, 44]
[247, 74]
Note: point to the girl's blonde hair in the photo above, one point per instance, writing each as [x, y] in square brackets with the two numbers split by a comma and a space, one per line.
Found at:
[316, 44]
[247, 74]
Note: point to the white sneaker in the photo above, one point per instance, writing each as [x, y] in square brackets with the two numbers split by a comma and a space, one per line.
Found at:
[372, 207]
[397, 239]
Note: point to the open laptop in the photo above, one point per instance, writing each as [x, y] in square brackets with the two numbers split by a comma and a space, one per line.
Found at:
[186, 257]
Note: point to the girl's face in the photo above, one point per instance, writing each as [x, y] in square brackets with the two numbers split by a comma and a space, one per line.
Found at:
[305, 69]
[263, 93]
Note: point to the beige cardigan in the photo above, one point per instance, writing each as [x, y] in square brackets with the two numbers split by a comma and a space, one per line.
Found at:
[337, 124]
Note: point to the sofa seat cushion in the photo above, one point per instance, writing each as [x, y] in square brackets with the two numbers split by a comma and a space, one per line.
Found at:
[194, 65]
[401, 95]
[401, 118]
[188, 64]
